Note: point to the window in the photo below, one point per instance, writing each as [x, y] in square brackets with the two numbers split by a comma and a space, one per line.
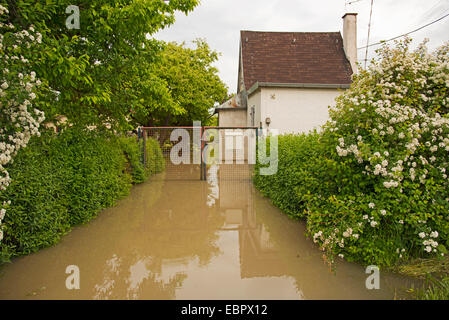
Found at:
[253, 114]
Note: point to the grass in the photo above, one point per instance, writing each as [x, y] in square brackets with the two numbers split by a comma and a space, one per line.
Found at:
[420, 268]
[435, 290]
[436, 273]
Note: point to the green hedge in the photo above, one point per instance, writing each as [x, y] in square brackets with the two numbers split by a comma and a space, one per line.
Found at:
[332, 196]
[62, 180]
[297, 175]
[131, 150]
[155, 161]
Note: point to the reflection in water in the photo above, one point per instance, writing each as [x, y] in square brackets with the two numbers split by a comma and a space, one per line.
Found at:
[191, 240]
[212, 180]
[103, 290]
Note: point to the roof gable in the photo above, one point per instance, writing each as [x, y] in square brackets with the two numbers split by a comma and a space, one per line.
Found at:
[293, 57]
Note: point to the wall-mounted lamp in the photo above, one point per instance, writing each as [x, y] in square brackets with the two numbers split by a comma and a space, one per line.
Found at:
[267, 121]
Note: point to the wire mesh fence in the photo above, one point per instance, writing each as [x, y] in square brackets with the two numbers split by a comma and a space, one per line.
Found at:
[189, 152]
[174, 147]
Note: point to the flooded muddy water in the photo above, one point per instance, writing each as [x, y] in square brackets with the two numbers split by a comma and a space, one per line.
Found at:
[191, 239]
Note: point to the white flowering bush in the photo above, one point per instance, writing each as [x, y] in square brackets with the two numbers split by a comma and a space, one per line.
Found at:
[19, 120]
[389, 138]
[373, 184]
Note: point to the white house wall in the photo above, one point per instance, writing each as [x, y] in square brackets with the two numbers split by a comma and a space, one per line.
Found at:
[293, 110]
[232, 118]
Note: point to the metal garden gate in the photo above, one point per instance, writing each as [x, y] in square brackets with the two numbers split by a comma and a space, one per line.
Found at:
[189, 152]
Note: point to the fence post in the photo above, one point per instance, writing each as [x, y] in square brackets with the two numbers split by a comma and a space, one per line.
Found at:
[139, 137]
[201, 165]
[204, 165]
[144, 148]
[257, 142]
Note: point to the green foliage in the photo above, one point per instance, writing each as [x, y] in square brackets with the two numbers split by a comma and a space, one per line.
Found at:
[213, 121]
[96, 179]
[62, 180]
[436, 290]
[373, 184]
[109, 71]
[154, 164]
[99, 71]
[130, 147]
[193, 82]
[297, 175]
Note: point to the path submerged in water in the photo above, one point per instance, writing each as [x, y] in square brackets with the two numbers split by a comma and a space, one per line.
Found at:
[214, 239]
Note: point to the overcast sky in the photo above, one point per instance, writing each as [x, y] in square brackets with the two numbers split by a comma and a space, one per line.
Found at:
[219, 22]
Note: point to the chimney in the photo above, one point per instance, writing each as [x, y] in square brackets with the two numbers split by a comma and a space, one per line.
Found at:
[350, 38]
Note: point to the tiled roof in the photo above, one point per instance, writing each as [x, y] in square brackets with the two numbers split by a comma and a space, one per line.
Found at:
[294, 57]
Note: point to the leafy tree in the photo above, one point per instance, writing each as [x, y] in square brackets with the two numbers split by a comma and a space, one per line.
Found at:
[92, 69]
[193, 82]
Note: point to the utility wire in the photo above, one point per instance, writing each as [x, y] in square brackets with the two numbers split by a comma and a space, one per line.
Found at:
[428, 13]
[369, 30]
[351, 2]
[403, 35]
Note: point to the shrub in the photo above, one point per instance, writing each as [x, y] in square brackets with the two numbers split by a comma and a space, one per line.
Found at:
[296, 176]
[131, 150]
[154, 159]
[373, 184]
[62, 180]
[20, 116]
[97, 177]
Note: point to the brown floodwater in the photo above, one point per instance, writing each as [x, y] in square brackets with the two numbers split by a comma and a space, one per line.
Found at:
[191, 239]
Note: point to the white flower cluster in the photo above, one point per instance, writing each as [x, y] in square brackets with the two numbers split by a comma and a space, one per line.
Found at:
[349, 232]
[372, 222]
[334, 238]
[19, 121]
[429, 244]
[400, 252]
[317, 235]
[408, 132]
[3, 10]
[425, 138]
[2, 215]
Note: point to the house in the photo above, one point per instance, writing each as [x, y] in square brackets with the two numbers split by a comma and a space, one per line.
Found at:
[287, 80]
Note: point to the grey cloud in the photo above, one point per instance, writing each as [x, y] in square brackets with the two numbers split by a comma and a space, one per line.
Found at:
[220, 22]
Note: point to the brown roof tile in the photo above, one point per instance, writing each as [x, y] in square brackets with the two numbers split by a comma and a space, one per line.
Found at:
[294, 57]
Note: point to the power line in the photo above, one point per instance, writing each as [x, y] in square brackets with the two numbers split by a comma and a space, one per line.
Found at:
[369, 30]
[428, 13]
[403, 35]
[351, 2]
